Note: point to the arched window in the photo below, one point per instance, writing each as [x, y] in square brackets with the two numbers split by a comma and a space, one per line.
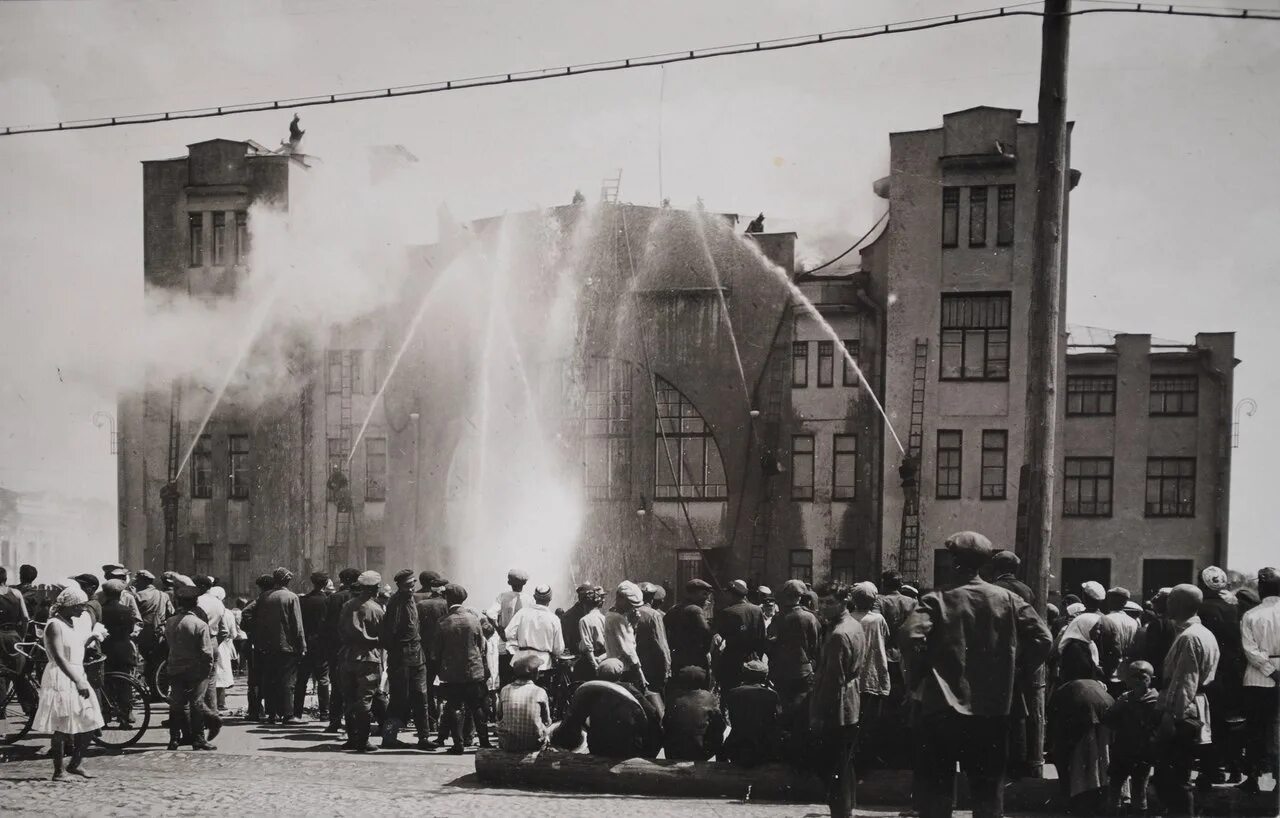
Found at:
[687, 459]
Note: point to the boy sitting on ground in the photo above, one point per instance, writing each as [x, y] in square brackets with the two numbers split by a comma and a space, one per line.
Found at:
[524, 712]
[754, 710]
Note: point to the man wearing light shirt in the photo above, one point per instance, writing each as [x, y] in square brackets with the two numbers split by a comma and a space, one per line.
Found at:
[1260, 638]
[535, 629]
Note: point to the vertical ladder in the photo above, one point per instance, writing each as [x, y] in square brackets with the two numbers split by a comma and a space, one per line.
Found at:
[169, 504]
[609, 188]
[909, 544]
[340, 554]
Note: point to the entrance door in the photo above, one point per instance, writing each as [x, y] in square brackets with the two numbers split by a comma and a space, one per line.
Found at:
[1157, 574]
[1079, 570]
[688, 567]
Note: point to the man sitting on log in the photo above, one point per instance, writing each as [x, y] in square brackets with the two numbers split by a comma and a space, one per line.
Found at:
[693, 726]
[619, 721]
[754, 711]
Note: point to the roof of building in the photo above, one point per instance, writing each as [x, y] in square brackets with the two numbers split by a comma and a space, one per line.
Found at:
[1082, 335]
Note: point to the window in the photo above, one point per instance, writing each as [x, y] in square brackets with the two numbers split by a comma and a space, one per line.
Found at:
[975, 337]
[995, 457]
[219, 238]
[1165, 573]
[241, 582]
[826, 363]
[842, 566]
[375, 557]
[854, 350]
[977, 217]
[800, 364]
[1171, 487]
[1174, 394]
[195, 224]
[337, 555]
[203, 565]
[375, 465]
[1078, 570]
[950, 216]
[949, 458]
[802, 467]
[242, 237]
[337, 453]
[238, 466]
[801, 566]
[1086, 487]
[334, 371]
[684, 444]
[607, 427]
[1091, 395]
[844, 467]
[1004, 216]
[357, 371]
[202, 469]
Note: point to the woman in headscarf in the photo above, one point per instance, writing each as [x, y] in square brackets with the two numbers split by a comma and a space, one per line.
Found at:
[223, 676]
[1080, 742]
[1077, 646]
[68, 708]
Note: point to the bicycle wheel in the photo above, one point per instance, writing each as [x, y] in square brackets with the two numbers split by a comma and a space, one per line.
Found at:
[15, 715]
[161, 680]
[126, 710]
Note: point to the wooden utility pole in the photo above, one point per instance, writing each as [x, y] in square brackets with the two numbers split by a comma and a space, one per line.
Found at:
[1043, 332]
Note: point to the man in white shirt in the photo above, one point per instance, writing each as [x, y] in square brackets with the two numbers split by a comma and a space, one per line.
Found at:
[1260, 638]
[535, 630]
[509, 602]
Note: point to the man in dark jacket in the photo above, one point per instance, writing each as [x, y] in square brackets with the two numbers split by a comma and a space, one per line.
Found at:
[331, 638]
[754, 710]
[962, 649]
[315, 662]
[406, 666]
[741, 626]
[1226, 692]
[895, 606]
[190, 660]
[254, 660]
[1004, 565]
[619, 721]
[795, 638]
[431, 609]
[836, 698]
[280, 641]
[693, 726]
[360, 626]
[458, 650]
[688, 633]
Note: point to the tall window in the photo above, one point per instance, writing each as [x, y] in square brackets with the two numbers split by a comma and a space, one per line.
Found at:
[685, 443]
[800, 364]
[375, 558]
[357, 371]
[333, 367]
[995, 463]
[844, 467]
[195, 230]
[202, 469]
[975, 336]
[1091, 395]
[801, 565]
[238, 466]
[203, 565]
[826, 363]
[842, 567]
[1171, 487]
[607, 460]
[950, 216]
[948, 468]
[1086, 487]
[802, 467]
[338, 557]
[1004, 216]
[219, 238]
[978, 216]
[337, 456]
[854, 348]
[241, 582]
[242, 237]
[1174, 394]
[375, 465]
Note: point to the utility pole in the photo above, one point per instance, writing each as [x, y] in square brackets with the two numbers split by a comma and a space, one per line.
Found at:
[1043, 332]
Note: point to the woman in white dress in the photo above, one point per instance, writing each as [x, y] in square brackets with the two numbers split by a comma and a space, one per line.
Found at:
[223, 677]
[68, 708]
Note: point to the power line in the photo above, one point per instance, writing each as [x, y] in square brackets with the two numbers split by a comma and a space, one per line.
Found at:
[648, 61]
[852, 247]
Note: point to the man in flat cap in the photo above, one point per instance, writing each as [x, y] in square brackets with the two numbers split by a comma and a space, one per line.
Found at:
[190, 662]
[360, 627]
[963, 648]
[115, 571]
[795, 638]
[431, 609]
[741, 625]
[314, 663]
[1221, 616]
[281, 642]
[154, 608]
[1022, 753]
[121, 623]
[1260, 641]
[689, 634]
[835, 706]
[458, 651]
[572, 618]
[591, 640]
[651, 640]
[1116, 632]
[509, 602]
[620, 632]
[331, 639]
[406, 666]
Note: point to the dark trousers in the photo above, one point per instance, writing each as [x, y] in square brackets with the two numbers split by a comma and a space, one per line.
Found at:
[1172, 779]
[1262, 719]
[253, 682]
[337, 704]
[407, 689]
[359, 684]
[279, 675]
[836, 751]
[188, 709]
[980, 744]
[468, 698]
[314, 665]
[1137, 776]
[505, 674]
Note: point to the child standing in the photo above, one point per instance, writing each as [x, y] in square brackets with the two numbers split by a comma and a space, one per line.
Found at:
[68, 708]
[1133, 721]
[524, 712]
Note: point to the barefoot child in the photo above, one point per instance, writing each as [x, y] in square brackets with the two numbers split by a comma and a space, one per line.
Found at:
[68, 707]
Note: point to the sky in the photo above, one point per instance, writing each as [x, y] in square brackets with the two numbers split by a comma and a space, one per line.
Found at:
[1171, 230]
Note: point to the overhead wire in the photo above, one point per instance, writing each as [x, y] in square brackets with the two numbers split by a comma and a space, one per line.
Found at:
[646, 61]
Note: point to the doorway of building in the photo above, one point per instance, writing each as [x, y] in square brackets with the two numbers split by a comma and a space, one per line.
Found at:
[688, 567]
[1079, 570]
[1164, 573]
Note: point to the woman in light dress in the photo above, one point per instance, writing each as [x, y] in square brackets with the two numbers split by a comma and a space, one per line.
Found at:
[68, 708]
[223, 676]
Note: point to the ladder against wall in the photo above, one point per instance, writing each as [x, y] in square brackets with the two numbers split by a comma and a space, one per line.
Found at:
[339, 480]
[909, 543]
